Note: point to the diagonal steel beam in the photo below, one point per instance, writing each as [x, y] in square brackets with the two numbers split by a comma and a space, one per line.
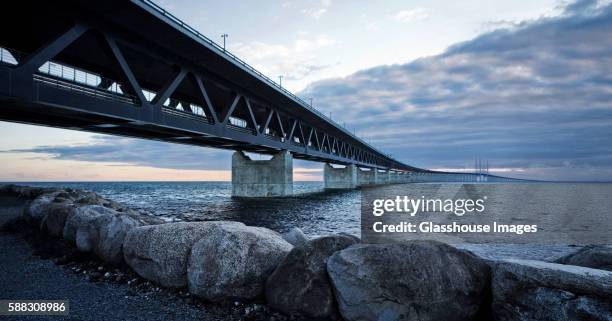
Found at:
[293, 125]
[36, 59]
[308, 142]
[251, 116]
[333, 148]
[230, 110]
[324, 143]
[280, 124]
[127, 71]
[209, 106]
[302, 138]
[267, 123]
[316, 135]
[169, 88]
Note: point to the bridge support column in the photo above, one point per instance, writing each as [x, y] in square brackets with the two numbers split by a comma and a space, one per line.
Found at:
[365, 178]
[383, 177]
[393, 177]
[262, 178]
[340, 178]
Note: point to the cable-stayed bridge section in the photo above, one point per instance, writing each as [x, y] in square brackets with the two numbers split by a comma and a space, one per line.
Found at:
[130, 68]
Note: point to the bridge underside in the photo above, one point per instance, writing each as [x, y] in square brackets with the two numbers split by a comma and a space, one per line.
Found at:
[124, 68]
[129, 68]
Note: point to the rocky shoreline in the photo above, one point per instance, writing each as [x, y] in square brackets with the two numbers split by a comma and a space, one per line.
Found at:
[270, 276]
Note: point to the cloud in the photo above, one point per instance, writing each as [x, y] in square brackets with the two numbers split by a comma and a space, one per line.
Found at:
[534, 99]
[138, 152]
[318, 9]
[533, 96]
[411, 15]
[295, 61]
[117, 158]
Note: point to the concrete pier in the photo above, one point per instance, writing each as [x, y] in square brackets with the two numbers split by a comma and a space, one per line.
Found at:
[262, 178]
[340, 178]
[366, 177]
[383, 177]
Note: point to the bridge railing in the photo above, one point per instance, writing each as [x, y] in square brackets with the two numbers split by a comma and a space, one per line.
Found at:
[71, 78]
[271, 82]
[72, 86]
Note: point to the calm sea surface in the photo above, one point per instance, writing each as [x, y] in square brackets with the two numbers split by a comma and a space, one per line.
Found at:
[319, 212]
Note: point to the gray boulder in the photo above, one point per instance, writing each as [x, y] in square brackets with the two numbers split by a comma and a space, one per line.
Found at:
[102, 230]
[81, 223]
[295, 236]
[37, 209]
[111, 232]
[594, 256]
[56, 216]
[300, 284]
[533, 290]
[87, 236]
[417, 280]
[234, 261]
[160, 252]
[354, 237]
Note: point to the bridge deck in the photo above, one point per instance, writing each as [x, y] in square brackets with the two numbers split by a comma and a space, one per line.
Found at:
[130, 68]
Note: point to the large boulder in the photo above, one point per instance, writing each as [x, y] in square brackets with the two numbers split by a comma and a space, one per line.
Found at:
[594, 256]
[533, 290]
[111, 232]
[300, 284]
[234, 261]
[102, 230]
[81, 223]
[106, 233]
[417, 280]
[53, 207]
[37, 209]
[295, 236]
[160, 252]
[57, 213]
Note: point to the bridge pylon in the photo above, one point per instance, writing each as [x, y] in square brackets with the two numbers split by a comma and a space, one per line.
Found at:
[262, 178]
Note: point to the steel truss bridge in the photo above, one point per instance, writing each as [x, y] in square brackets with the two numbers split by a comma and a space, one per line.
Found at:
[130, 68]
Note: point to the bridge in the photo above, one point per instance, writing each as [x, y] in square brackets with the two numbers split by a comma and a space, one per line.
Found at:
[131, 68]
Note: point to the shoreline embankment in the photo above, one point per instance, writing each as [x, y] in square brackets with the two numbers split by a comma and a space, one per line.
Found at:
[278, 276]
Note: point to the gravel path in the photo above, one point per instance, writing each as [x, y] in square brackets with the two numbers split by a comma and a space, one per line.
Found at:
[23, 276]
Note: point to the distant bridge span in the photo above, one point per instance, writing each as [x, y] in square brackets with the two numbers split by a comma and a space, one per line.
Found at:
[130, 68]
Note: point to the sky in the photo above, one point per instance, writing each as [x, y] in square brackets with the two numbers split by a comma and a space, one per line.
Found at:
[526, 85]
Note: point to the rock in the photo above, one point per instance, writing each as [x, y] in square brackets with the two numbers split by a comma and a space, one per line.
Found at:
[234, 261]
[160, 252]
[54, 207]
[37, 209]
[112, 231]
[25, 192]
[534, 290]
[300, 284]
[56, 215]
[417, 280]
[82, 219]
[356, 238]
[295, 236]
[594, 256]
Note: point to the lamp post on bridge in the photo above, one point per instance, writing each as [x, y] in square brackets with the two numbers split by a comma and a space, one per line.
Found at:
[280, 81]
[224, 36]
